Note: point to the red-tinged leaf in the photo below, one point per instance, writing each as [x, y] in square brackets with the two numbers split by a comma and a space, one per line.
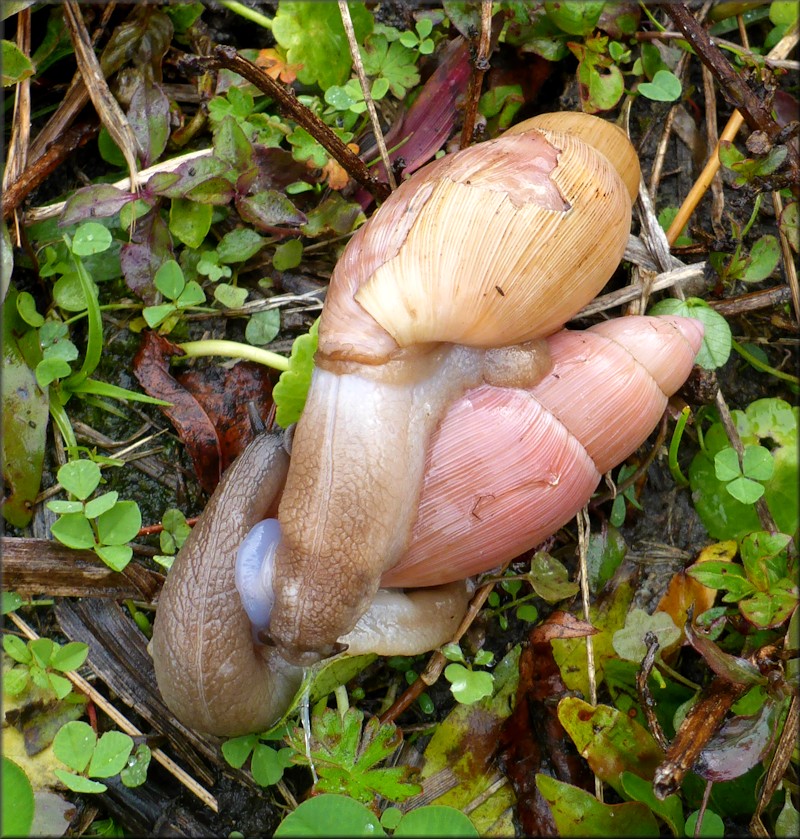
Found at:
[149, 249]
[151, 368]
[190, 176]
[578, 813]
[738, 670]
[739, 745]
[224, 394]
[97, 201]
[269, 208]
[430, 120]
[276, 169]
[148, 116]
[533, 738]
[610, 741]
[333, 216]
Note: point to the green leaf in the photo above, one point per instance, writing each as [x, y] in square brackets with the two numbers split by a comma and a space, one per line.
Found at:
[192, 295]
[11, 601]
[768, 610]
[50, 369]
[74, 745]
[42, 651]
[238, 749]
[576, 17]
[435, 820]
[726, 464]
[468, 686]
[155, 315]
[15, 680]
[110, 755]
[263, 327]
[61, 687]
[745, 490]
[91, 238]
[268, 764]
[712, 825]
[757, 463]
[313, 35]
[578, 813]
[629, 641]
[74, 531]
[26, 306]
[70, 657]
[77, 783]
[722, 575]
[98, 506]
[670, 809]
[239, 245]
[550, 579]
[134, 774]
[190, 221]
[665, 87]
[287, 255]
[115, 557]
[120, 524]
[17, 798]
[716, 346]
[79, 478]
[169, 279]
[15, 64]
[393, 62]
[764, 257]
[17, 649]
[330, 815]
[290, 391]
[232, 297]
[611, 741]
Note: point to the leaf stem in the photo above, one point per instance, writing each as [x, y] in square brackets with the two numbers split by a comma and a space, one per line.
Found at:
[247, 13]
[760, 365]
[233, 349]
[674, 445]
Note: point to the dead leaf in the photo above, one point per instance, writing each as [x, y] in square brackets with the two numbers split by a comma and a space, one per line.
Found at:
[209, 406]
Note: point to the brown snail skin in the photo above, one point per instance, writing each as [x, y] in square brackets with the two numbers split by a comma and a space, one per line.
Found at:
[437, 343]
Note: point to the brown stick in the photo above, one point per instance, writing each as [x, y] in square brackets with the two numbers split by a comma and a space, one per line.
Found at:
[35, 174]
[736, 90]
[228, 58]
[39, 566]
[479, 68]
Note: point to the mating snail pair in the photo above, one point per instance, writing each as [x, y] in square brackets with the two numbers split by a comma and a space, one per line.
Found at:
[449, 427]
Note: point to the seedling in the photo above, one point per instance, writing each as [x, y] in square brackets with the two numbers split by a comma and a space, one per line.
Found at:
[36, 662]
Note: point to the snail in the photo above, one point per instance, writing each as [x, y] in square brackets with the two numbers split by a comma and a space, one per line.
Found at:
[451, 423]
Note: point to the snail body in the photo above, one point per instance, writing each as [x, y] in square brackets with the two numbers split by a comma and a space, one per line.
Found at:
[450, 424]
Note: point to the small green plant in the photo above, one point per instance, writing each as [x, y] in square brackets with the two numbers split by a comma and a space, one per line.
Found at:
[103, 524]
[345, 753]
[619, 507]
[745, 480]
[318, 815]
[169, 280]
[724, 493]
[77, 746]
[750, 267]
[40, 662]
[764, 586]
[419, 39]
[266, 763]
[468, 685]
[525, 611]
[172, 537]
